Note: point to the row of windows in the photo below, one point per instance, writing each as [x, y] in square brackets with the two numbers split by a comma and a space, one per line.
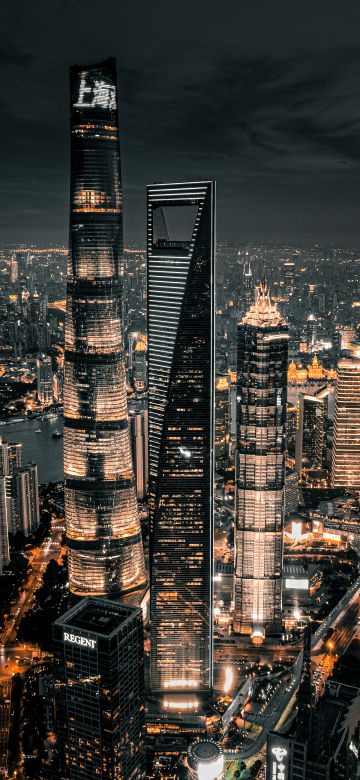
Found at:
[91, 516]
[96, 574]
[95, 391]
[98, 454]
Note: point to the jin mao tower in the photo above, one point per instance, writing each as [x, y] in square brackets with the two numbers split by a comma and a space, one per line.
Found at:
[260, 467]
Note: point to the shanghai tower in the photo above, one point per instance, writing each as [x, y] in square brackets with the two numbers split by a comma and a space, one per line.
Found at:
[105, 553]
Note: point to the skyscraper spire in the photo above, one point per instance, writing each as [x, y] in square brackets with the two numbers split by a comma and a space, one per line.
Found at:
[105, 553]
[263, 312]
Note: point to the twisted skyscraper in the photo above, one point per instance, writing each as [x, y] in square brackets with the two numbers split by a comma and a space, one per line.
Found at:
[105, 553]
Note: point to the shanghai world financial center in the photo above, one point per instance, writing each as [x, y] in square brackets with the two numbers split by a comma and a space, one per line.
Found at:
[181, 381]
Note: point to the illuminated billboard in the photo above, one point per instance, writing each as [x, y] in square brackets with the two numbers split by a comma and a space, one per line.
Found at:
[297, 583]
[95, 92]
[277, 758]
[331, 536]
[83, 641]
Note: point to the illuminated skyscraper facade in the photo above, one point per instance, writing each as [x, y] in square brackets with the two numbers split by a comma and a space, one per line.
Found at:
[346, 440]
[260, 467]
[105, 551]
[44, 375]
[181, 245]
[140, 450]
[310, 444]
[99, 691]
[4, 526]
[222, 418]
[24, 500]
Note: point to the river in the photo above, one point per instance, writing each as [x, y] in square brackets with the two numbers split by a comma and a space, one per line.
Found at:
[48, 452]
[38, 445]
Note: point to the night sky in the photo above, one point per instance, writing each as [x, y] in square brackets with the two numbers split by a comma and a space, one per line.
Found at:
[263, 96]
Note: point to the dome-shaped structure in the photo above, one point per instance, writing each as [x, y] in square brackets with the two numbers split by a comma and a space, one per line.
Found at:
[205, 760]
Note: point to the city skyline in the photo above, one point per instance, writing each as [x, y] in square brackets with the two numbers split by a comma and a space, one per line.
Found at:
[179, 412]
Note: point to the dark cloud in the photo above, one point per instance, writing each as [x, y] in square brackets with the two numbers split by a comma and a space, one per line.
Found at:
[261, 98]
[10, 54]
[242, 105]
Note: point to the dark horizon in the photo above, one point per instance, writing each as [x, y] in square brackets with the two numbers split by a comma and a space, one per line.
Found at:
[265, 102]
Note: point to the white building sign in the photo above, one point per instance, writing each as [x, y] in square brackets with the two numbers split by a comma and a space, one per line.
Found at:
[83, 641]
[96, 94]
[279, 763]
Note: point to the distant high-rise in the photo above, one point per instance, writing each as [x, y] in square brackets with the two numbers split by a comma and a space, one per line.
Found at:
[44, 376]
[23, 493]
[289, 278]
[14, 456]
[10, 457]
[346, 439]
[347, 336]
[4, 525]
[58, 386]
[35, 307]
[305, 694]
[139, 366]
[22, 499]
[181, 284]
[5, 710]
[248, 284]
[291, 492]
[105, 553]
[311, 331]
[14, 270]
[310, 443]
[260, 467]
[10, 463]
[99, 691]
[140, 451]
[222, 417]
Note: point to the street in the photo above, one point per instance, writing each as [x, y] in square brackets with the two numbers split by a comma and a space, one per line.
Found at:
[14, 656]
[344, 617]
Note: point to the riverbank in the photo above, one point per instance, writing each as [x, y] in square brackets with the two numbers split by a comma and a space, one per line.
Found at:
[38, 442]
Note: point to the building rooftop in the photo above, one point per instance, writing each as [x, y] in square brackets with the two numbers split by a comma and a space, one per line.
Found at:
[263, 313]
[100, 616]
